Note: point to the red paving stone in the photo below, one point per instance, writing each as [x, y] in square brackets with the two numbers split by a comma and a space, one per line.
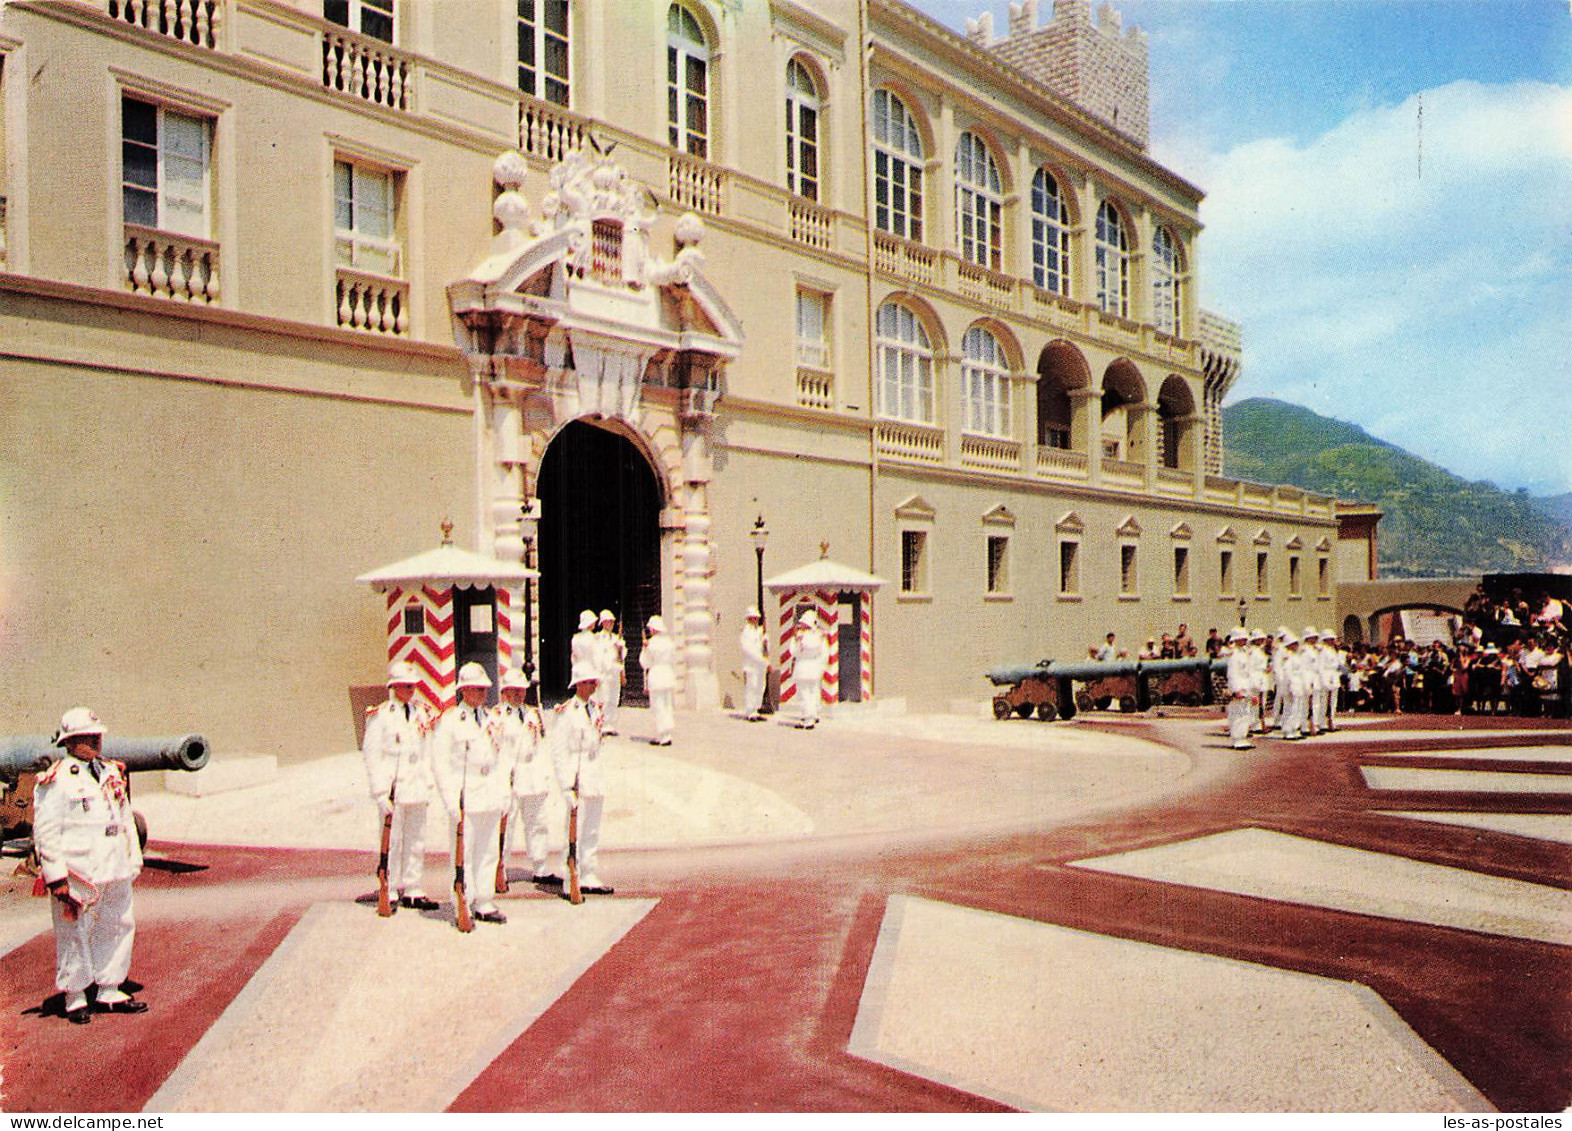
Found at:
[740, 996]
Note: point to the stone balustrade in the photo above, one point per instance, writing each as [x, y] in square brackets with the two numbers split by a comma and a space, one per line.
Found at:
[1061, 463]
[368, 69]
[895, 256]
[985, 286]
[809, 224]
[990, 453]
[1123, 472]
[374, 303]
[695, 184]
[164, 265]
[196, 22]
[815, 390]
[549, 132]
[920, 443]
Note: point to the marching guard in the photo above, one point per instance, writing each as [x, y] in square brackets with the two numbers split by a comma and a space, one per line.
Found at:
[576, 749]
[657, 658]
[472, 777]
[808, 669]
[1243, 689]
[398, 766]
[88, 855]
[755, 666]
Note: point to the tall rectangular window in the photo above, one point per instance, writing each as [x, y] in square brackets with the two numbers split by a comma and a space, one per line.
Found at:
[368, 17]
[1293, 575]
[1225, 570]
[1260, 574]
[998, 563]
[1069, 568]
[914, 564]
[543, 49]
[164, 161]
[1128, 581]
[1181, 571]
[1323, 576]
[813, 349]
[363, 218]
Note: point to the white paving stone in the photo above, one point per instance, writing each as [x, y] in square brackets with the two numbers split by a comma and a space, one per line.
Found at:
[1463, 781]
[1539, 826]
[1292, 869]
[1492, 754]
[357, 1013]
[1047, 1018]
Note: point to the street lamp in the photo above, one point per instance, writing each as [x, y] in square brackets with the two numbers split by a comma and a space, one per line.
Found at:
[760, 534]
[1243, 605]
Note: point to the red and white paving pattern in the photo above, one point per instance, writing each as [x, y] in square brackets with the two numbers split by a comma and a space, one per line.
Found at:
[1103, 915]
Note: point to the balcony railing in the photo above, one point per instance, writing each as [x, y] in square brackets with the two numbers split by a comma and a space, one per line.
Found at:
[815, 390]
[368, 69]
[548, 132]
[921, 443]
[986, 286]
[809, 224]
[191, 21]
[374, 303]
[1123, 472]
[695, 184]
[895, 256]
[1061, 462]
[990, 453]
[1172, 481]
[165, 265]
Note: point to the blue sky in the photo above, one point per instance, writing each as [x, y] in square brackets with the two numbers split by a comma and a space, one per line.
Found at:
[1416, 281]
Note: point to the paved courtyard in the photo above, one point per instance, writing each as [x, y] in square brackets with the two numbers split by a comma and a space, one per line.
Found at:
[890, 913]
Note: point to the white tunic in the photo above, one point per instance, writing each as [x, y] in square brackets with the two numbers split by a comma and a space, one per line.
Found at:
[83, 828]
[465, 757]
[658, 659]
[396, 748]
[751, 642]
[522, 731]
[575, 746]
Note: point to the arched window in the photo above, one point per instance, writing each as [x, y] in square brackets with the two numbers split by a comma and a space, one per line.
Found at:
[1113, 262]
[1167, 269]
[803, 106]
[985, 384]
[687, 83]
[543, 49]
[1050, 235]
[897, 168]
[979, 203]
[905, 365]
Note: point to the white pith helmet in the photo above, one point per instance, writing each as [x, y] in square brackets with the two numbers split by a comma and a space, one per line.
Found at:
[608, 617]
[586, 620]
[514, 677]
[402, 671]
[753, 613]
[1238, 634]
[473, 675]
[584, 673]
[656, 624]
[78, 721]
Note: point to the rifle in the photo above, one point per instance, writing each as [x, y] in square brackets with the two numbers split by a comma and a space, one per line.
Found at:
[575, 896]
[460, 900]
[384, 903]
[502, 837]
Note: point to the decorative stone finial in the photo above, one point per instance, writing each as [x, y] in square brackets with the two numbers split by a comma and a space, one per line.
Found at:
[689, 230]
[824, 550]
[447, 532]
[509, 169]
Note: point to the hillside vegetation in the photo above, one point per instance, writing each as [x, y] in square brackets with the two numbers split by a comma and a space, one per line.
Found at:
[1436, 524]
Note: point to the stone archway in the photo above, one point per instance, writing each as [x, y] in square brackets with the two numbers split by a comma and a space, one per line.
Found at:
[598, 545]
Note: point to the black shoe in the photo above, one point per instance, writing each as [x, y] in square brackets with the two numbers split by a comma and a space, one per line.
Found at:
[602, 889]
[417, 902]
[130, 1005]
[79, 1016]
[547, 881]
[490, 917]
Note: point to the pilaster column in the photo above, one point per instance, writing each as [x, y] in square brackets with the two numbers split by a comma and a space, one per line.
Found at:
[701, 689]
[1086, 424]
[1142, 427]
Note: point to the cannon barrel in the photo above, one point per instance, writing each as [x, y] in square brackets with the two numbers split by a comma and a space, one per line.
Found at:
[1102, 669]
[31, 753]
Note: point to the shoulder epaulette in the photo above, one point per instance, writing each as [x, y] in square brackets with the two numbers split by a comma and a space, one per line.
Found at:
[374, 708]
[49, 774]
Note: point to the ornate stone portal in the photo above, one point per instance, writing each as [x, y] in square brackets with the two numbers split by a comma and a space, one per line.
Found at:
[571, 317]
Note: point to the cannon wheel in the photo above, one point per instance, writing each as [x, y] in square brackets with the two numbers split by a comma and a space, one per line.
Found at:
[1083, 701]
[1024, 711]
[141, 828]
[1103, 702]
[1127, 704]
[1046, 712]
[1001, 707]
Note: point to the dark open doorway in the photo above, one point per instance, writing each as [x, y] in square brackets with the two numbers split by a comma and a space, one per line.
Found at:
[599, 547]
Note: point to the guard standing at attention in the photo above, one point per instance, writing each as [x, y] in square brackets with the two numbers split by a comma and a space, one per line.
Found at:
[808, 657]
[585, 646]
[398, 765]
[613, 654]
[658, 659]
[88, 856]
[523, 730]
[576, 747]
[472, 776]
[1242, 689]
[755, 666]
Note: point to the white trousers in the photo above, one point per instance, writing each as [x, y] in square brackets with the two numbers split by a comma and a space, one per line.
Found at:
[1318, 710]
[810, 698]
[752, 690]
[1331, 709]
[480, 857]
[663, 713]
[96, 945]
[1294, 710]
[1277, 708]
[609, 692]
[407, 849]
[532, 811]
[590, 810]
[1241, 713]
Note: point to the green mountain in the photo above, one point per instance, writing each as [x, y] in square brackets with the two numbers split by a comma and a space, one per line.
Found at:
[1436, 524]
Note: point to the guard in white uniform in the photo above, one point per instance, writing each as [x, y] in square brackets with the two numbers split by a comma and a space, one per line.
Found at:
[1292, 685]
[613, 653]
[1275, 678]
[755, 666]
[398, 766]
[576, 752]
[658, 659]
[1315, 681]
[88, 856]
[585, 646]
[1242, 690]
[1261, 667]
[523, 731]
[470, 770]
[808, 668]
[1336, 669]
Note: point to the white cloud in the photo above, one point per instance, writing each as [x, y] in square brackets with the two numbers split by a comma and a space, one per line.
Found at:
[1432, 298]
